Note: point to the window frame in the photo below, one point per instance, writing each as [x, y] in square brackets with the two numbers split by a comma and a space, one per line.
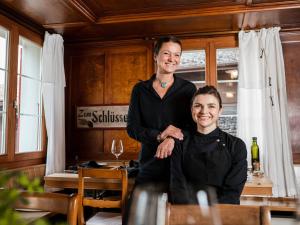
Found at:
[210, 45]
[12, 159]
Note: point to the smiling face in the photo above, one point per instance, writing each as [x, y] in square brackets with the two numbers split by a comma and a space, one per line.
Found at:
[205, 112]
[168, 58]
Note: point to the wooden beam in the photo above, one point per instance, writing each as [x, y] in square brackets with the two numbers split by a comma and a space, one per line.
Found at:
[65, 25]
[24, 21]
[200, 11]
[84, 10]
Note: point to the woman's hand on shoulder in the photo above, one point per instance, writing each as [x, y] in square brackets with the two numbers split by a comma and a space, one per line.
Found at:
[172, 131]
[165, 148]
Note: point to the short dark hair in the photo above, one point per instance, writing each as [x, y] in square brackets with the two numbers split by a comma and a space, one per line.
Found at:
[211, 90]
[165, 39]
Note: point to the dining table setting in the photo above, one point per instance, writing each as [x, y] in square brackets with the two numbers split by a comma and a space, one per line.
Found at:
[257, 185]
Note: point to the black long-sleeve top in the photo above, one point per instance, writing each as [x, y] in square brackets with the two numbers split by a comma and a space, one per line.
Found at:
[149, 115]
[217, 160]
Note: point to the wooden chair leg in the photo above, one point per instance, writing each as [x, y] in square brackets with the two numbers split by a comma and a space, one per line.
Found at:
[265, 215]
[80, 215]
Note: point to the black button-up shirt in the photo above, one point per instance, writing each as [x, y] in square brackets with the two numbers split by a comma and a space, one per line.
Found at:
[149, 115]
[217, 160]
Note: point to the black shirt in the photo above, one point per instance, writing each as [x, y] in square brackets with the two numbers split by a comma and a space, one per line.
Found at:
[149, 115]
[217, 160]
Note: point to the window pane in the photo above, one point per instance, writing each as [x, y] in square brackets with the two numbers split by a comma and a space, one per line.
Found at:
[3, 81]
[29, 63]
[2, 131]
[3, 46]
[192, 67]
[2, 91]
[30, 95]
[227, 74]
[28, 128]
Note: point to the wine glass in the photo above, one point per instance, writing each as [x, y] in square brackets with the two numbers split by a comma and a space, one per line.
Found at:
[117, 147]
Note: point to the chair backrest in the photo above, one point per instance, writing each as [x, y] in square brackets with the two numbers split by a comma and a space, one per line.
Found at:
[51, 202]
[229, 215]
[113, 175]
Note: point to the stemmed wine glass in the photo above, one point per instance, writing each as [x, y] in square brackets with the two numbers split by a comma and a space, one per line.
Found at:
[117, 147]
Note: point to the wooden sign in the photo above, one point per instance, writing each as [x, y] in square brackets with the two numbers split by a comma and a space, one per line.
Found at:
[105, 116]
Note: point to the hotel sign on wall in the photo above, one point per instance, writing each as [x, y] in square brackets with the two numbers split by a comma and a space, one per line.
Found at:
[104, 116]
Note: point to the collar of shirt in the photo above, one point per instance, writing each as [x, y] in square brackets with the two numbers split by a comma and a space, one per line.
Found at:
[213, 136]
[176, 85]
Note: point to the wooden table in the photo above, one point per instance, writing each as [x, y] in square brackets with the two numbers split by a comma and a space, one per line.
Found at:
[258, 186]
[279, 204]
[261, 186]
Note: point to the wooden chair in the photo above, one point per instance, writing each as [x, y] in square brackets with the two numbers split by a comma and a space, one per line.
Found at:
[229, 215]
[51, 202]
[102, 218]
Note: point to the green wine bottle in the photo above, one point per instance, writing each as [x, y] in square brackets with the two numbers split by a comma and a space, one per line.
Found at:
[255, 155]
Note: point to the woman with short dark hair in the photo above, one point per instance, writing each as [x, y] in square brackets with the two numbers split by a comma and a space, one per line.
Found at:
[208, 157]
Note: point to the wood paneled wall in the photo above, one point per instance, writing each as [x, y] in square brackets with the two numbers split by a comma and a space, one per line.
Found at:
[102, 74]
[291, 52]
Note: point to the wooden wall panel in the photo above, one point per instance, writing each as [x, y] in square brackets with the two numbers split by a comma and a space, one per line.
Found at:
[125, 68]
[291, 49]
[87, 143]
[87, 79]
[131, 147]
[88, 72]
[102, 75]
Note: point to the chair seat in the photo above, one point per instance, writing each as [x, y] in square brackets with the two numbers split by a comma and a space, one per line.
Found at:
[105, 218]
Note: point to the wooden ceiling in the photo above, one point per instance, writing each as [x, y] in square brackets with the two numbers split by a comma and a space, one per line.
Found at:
[86, 20]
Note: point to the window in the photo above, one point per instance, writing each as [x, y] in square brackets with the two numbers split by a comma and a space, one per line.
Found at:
[3, 81]
[22, 128]
[214, 61]
[227, 80]
[28, 102]
[192, 67]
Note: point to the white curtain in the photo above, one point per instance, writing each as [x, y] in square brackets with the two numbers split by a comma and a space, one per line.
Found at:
[262, 106]
[53, 78]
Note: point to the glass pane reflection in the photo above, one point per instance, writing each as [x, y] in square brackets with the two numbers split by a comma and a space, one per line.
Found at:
[192, 67]
[28, 101]
[227, 75]
[4, 39]
[28, 136]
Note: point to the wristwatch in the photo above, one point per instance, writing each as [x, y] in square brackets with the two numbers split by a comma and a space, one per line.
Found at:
[158, 138]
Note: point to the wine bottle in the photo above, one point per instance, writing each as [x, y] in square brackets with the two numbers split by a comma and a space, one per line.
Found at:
[255, 155]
